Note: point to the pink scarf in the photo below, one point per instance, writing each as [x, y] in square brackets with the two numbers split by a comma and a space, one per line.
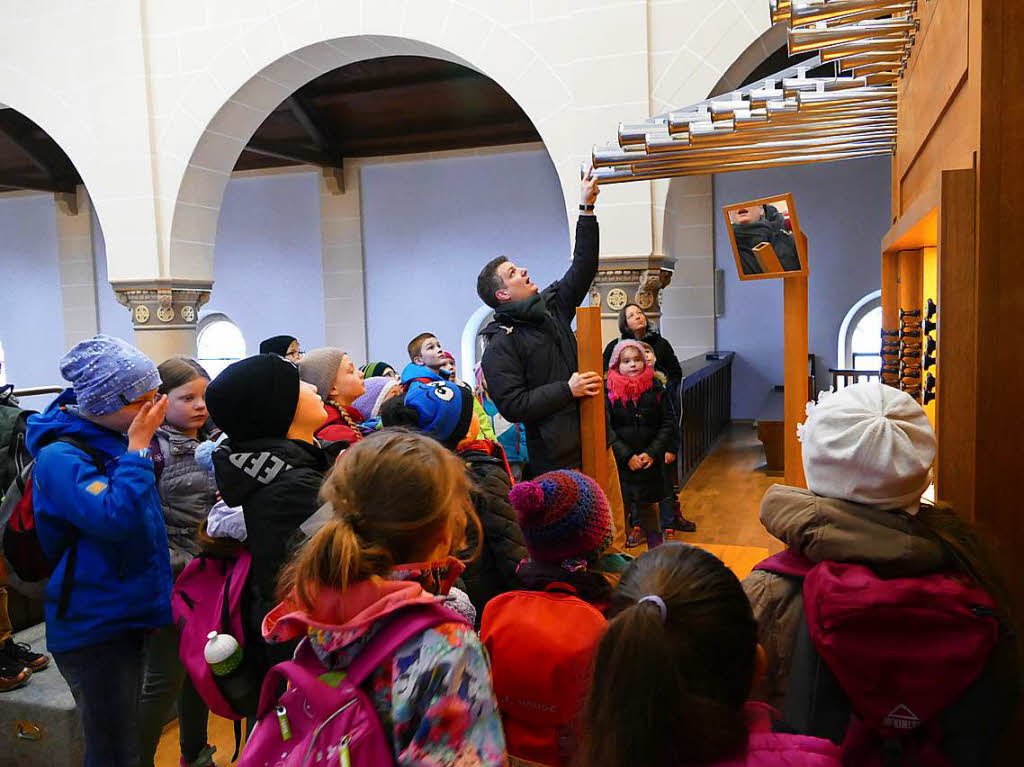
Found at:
[626, 389]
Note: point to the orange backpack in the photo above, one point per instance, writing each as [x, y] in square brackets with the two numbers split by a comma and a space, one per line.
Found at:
[541, 645]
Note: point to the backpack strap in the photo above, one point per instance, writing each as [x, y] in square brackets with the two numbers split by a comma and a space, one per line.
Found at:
[99, 460]
[402, 628]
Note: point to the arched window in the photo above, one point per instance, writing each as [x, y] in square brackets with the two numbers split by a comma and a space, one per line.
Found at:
[860, 337]
[220, 343]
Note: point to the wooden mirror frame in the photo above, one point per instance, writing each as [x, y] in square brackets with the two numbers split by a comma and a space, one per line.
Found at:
[801, 247]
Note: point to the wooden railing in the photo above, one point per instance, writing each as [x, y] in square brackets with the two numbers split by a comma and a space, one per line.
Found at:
[705, 400]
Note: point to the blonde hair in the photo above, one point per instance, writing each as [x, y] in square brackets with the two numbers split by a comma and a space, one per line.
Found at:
[390, 493]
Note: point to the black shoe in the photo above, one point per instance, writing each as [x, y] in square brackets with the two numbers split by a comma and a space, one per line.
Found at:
[19, 652]
[683, 525]
[12, 675]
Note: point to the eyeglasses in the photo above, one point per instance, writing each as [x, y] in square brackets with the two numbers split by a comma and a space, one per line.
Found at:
[297, 354]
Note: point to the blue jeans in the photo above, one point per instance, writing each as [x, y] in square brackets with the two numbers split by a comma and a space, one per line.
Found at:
[105, 680]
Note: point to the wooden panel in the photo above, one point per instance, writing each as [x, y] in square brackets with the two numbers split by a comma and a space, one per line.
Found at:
[890, 291]
[951, 145]
[938, 67]
[592, 423]
[917, 226]
[795, 368]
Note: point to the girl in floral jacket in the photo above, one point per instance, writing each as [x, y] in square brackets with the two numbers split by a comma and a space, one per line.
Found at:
[398, 498]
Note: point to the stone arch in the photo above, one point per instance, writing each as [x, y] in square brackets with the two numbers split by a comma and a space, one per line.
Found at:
[257, 71]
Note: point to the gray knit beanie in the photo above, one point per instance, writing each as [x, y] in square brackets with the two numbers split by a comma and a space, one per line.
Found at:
[107, 374]
[319, 367]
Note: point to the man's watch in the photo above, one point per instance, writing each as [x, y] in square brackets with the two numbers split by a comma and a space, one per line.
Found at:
[585, 208]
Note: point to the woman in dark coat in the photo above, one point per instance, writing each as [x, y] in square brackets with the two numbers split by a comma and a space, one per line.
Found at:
[642, 431]
[633, 324]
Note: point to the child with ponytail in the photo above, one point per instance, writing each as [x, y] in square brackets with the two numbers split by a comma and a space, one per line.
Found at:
[674, 671]
[401, 506]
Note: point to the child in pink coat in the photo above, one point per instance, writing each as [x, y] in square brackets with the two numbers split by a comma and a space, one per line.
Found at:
[674, 672]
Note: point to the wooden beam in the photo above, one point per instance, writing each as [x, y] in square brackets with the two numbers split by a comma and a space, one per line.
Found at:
[293, 153]
[795, 371]
[15, 181]
[52, 161]
[337, 95]
[311, 123]
[592, 420]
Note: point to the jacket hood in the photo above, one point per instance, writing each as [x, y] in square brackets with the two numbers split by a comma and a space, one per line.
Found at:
[244, 468]
[833, 530]
[412, 371]
[61, 419]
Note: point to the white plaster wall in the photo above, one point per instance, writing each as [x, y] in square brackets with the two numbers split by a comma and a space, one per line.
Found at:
[153, 101]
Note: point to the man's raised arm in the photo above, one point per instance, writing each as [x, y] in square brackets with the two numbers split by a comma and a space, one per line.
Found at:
[575, 284]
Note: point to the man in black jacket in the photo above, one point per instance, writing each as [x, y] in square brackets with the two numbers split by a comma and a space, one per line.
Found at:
[531, 362]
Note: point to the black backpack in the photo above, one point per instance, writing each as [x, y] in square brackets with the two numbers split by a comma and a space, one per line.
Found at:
[14, 456]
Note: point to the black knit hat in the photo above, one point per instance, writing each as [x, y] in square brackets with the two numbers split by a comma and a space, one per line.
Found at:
[276, 345]
[255, 397]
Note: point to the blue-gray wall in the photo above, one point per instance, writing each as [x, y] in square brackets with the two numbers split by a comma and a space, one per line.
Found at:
[31, 319]
[843, 209]
[113, 319]
[430, 225]
[268, 270]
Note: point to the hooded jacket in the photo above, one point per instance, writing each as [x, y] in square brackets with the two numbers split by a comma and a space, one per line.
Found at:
[503, 548]
[643, 426]
[276, 481]
[122, 574]
[531, 354]
[665, 360]
[434, 696]
[825, 530]
[336, 428]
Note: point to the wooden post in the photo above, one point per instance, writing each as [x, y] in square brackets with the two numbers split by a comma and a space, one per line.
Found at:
[592, 423]
[795, 371]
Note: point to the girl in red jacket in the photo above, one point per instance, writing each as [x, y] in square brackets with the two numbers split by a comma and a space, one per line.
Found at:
[339, 383]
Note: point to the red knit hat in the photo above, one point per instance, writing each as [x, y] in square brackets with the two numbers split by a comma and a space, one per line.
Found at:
[564, 515]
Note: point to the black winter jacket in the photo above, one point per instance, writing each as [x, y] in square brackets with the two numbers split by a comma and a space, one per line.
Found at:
[276, 481]
[644, 426]
[665, 356]
[531, 354]
[494, 571]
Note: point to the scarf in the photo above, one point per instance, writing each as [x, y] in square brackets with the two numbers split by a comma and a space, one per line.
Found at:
[628, 389]
[532, 310]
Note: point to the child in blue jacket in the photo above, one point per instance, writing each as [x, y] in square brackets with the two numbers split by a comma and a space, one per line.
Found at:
[112, 583]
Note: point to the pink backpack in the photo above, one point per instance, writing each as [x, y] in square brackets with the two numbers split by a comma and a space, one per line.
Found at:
[888, 667]
[324, 717]
[207, 597]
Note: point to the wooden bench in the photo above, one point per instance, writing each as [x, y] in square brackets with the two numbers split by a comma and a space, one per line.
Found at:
[771, 429]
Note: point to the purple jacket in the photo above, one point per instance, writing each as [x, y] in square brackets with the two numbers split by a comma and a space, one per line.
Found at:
[776, 749]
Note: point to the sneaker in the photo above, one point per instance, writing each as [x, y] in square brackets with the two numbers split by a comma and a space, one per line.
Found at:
[635, 538]
[21, 653]
[205, 758]
[12, 675]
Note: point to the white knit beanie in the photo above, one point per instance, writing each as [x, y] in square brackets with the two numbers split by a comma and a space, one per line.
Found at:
[868, 443]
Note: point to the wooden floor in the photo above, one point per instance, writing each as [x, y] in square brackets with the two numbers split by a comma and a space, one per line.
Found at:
[722, 497]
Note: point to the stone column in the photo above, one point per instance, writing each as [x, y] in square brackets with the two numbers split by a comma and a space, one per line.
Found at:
[342, 248]
[164, 315]
[77, 279]
[628, 279]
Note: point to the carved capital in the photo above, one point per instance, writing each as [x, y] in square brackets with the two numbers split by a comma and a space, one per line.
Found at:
[624, 280]
[163, 306]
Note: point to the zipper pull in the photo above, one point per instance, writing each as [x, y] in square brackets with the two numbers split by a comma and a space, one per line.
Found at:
[344, 757]
[282, 720]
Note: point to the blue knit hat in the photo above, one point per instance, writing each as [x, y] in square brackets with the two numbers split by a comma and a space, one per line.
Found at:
[107, 374]
[442, 409]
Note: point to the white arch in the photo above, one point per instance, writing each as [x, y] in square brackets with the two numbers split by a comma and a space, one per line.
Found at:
[467, 346]
[258, 70]
[862, 307]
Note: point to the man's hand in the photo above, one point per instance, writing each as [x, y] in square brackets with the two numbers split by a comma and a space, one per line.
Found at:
[585, 384]
[635, 464]
[589, 190]
[148, 420]
[670, 458]
[645, 460]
